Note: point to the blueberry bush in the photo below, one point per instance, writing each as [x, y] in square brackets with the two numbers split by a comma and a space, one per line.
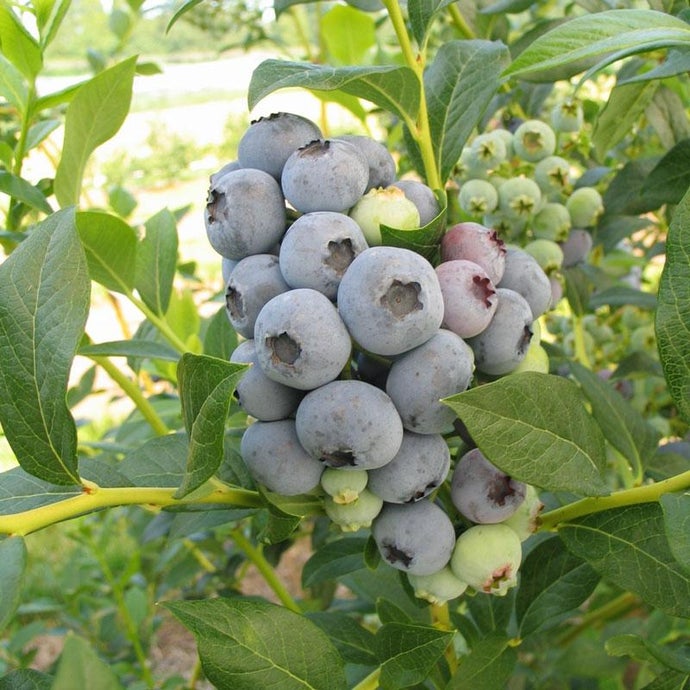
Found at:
[450, 360]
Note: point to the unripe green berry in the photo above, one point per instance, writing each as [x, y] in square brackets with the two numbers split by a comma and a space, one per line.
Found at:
[536, 359]
[468, 167]
[384, 206]
[585, 206]
[489, 150]
[437, 588]
[567, 116]
[548, 254]
[344, 486]
[519, 197]
[356, 515]
[552, 174]
[534, 140]
[477, 197]
[524, 520]
[487, 557]
[552, 222]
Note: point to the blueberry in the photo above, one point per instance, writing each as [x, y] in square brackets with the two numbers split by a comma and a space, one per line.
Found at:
[488, 150]
[552, 222]
[274, 457]
[384, 206]
[478, 243]
[437, 588]
[524, 521]
[519, 196]
[228, 167]
[227, 266]
[300, 339]
[325, 175]
[469, 297]
[344, 487]
[567, 116]
[269, 141]
[418, 468]
[245, 213]
[503, 344]
[576, 247]
[534, 140]
[487, 557]
[585, 206]
[390, 300]
[417, 538]
[381, 162]
[552, 174]
[481, 492]
[349, 424]
[419, 379]
[317, 250]
[547, 253]
[354, 515]
[524, 275]
[477, 197]
[254, 281]
[423, 197]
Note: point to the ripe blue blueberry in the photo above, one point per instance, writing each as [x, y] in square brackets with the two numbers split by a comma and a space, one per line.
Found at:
[381, 162]
[423, 197]
[524, 275]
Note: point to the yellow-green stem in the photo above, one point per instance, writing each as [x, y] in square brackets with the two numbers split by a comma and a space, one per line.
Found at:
[595, 504]
[160, 323]
[580, 347]
[460, 22]
[94, 498]
[134, 393]
[256, 556]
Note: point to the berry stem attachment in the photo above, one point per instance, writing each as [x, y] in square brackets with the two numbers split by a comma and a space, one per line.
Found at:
[595, 504]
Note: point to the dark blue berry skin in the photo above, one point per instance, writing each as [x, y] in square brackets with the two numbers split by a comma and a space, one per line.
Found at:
[381, 163]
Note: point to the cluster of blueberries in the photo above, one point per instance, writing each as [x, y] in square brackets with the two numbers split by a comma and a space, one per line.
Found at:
[353, 345]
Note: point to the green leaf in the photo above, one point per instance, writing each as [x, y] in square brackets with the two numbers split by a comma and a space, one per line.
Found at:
[421, 14]
[111, 249]
[553, 583]
[80, 667]
[159, 462]
[672, 321]
[12, 85]
[622, 295]
[348, 35]
[206, 387]
[140, 349]
[13, 558]
[669, 680]
[95, 114]
[623, 426]
[625, 105]
[603, 36]
[245, 645]
[23, 191]
[220, 338]
[488, 666]
[156, 261]
[535, 428]
[44, 302]
[333, 560]
[49, 16]
[676, 62]
[182, 10]
[354, 643]
[393, 88]
[407, 653]
[639, 648]
[18, 45]
[628, 546]
[670, 178]
[26, 679]
[676, 507]
[666, 114]
[21, 491]
[39, 132]
[275, 525]
[459, 85]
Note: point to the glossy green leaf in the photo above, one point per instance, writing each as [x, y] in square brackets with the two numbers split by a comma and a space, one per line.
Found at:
[80, 667]
[625, 105]
[206, 387]
[18, 45]
[553, 583]
[26, 679]
[624, 427]
[459, 84]
[12, 85]
[676, 507]
[156, 261]
[13, 557]
[408, 652]
[348, 35]
[421, 14]
[354, 642]
[44, 302]
[334, 559]
[535, 428]
[111, 248]
[21, 491]
[95, 114]
[144, 349]
[23, 191]
[488, 666]
[672, 321]
[602, 37]
[393, 88]
[670, 179]
[245, 645]
[629, 547]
